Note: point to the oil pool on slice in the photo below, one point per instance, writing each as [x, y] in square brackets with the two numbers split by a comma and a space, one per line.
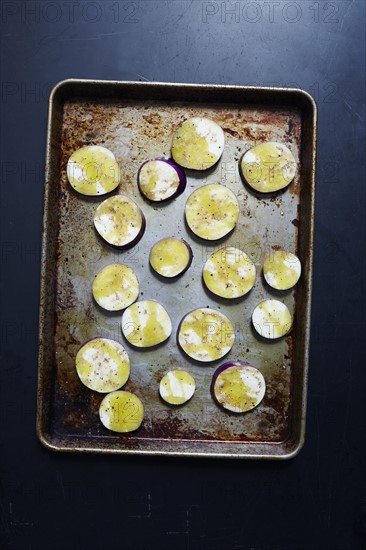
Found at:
[102, 365]
[206, 335]
[121, 411]
[170, 257]
[238, 386]
[229, 273]
[160, 180]
[272, 319]
[268, 167]
[146, 324]
[198, 143]
[93, 170]
[119, 221]
[212, 211]
[282, 270]
[177, 387]
[115, 287]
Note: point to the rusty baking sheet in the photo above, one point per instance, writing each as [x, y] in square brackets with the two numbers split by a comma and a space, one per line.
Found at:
[136, 121]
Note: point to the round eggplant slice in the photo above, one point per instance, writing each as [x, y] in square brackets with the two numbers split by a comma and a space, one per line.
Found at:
[268, 167]
[212, 211]
[272, 319]
[282, 270]
[238, 387]
[121, 411]
[198, 143]
[93, 170]
[146, 324]
[177, 387]
[103, 365]
[119, 221]
[115, 287]
[206, 335]
[171, 257]
[160, 180]
[229, 273]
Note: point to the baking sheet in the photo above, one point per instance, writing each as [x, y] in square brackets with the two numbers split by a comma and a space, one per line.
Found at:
[136, 121]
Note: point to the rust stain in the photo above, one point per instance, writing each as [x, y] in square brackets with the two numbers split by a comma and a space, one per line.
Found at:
[152, 118]
[139, 132]
[233, 133]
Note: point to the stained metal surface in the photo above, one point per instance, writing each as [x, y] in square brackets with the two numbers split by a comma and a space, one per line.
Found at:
[136, 121]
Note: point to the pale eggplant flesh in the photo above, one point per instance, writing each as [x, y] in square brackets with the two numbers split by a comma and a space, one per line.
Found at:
[229, 273]
[120, 222]
[282, 270]
[146, 324]
[103, 365]
[268, 167]
[93, 170]
[170, 257]
[160, 180]
[238, 386]
[121, 411]
[198, 143]
[177, 387]
[212, 211]
[206, 335]
[115, 287]
[272, 319]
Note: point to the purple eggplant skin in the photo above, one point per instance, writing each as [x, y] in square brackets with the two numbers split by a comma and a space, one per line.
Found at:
[181, 175]
[134, 241]
[178, 331]
[221, 369]
[189, 263]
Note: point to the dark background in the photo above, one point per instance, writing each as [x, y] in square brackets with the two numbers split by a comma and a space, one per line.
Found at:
[315, 501]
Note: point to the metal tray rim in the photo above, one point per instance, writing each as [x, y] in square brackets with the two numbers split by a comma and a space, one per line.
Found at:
[41, 431]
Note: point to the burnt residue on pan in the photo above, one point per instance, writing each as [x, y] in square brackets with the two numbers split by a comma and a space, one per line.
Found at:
[136, 131]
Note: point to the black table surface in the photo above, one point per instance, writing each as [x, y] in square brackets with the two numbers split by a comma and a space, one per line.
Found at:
[315, 501]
